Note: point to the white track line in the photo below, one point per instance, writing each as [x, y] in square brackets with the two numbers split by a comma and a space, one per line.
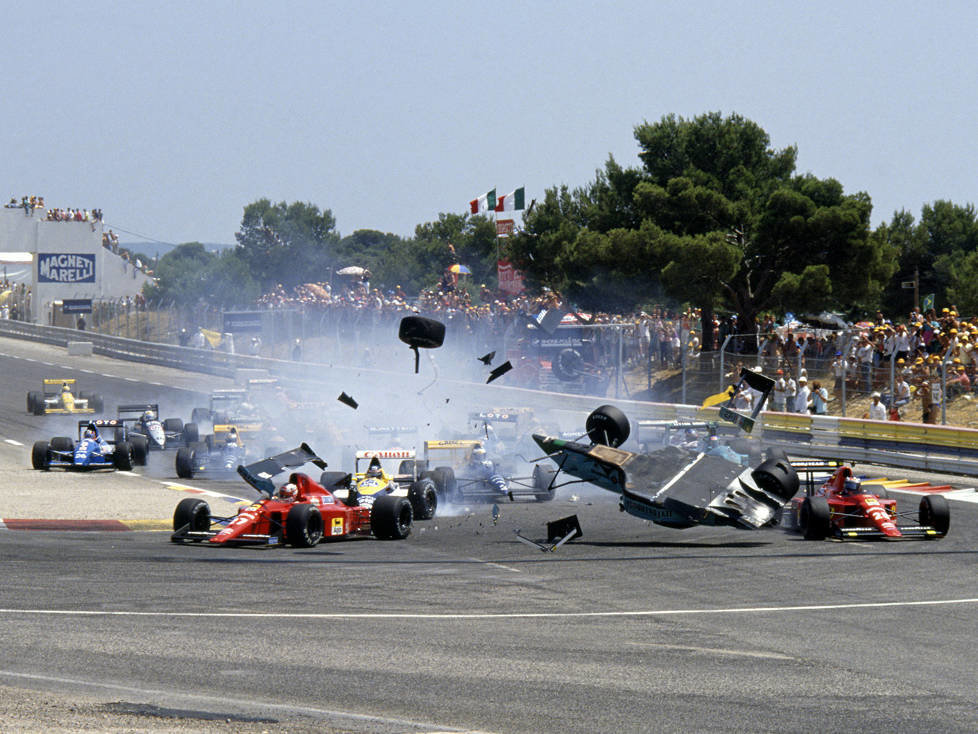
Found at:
[487, 615]
[12, 442]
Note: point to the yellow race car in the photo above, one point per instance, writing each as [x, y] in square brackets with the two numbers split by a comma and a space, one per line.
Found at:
[58, 396]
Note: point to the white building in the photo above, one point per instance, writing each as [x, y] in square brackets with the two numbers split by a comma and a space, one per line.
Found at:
[62, 260]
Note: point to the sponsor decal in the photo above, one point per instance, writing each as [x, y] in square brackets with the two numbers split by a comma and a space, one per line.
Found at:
[65, 267]
[337, 526]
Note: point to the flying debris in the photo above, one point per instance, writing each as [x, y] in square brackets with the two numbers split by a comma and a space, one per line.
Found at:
[499, 371]
[486, 359]
[558, 532]
[419, 332]
[347, 400]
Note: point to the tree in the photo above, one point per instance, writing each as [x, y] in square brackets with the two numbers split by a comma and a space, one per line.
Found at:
[189, 274]
[287, 243]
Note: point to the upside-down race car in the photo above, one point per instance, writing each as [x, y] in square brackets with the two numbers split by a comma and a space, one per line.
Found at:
[300, 513]
[91, 451]
[371, 481]
[57, 396]
[846, 508]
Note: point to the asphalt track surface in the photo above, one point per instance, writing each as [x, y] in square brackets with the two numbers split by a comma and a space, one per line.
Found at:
[462, 627]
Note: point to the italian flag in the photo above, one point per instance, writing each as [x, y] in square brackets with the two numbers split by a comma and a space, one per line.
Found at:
[485, 203]
[511, 201]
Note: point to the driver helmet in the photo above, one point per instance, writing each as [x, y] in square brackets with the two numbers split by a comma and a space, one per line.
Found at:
[852, 486]
[232, 437]
[90, 433]
[66, 387]
[288, 492]
[149, 415]
[478, 454]
[374, 469]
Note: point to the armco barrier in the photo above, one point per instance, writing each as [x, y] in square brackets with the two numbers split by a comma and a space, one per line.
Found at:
[945, 449]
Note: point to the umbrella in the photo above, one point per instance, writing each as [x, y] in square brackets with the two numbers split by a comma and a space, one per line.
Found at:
[460, 269]
[351, 270]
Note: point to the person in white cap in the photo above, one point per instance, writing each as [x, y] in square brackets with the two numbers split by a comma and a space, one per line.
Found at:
[877, 411]
[801, 399]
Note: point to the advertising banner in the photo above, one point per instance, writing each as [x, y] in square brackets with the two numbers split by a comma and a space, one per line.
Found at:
[65, 267]
[510, 279]
[76, 305]
[237, 322]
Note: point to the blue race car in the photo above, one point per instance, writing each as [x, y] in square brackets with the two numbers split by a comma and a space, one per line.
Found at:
[91, 451]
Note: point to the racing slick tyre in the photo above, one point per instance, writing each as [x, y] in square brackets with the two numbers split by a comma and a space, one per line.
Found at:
[542, 479]
[193, 514]
[568, 365]
[413, 467]
[33, 398]
[777, 455]
[334, 480]
[122, 456]
[391, 518]
[423, 496]
[39, 455]
[62, 443]
[186, 462]
[200, 415]
[39, 405]
[814, 518]
[303, 526]
[140, 449]
[778, 477]
[190, 433]
[607, 425]
[445, 483]
[173, 425]
[935, 512]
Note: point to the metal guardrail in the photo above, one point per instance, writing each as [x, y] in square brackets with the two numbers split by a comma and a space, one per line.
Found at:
[944, 449]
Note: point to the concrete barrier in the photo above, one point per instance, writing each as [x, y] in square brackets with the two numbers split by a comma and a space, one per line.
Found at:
[80, 349]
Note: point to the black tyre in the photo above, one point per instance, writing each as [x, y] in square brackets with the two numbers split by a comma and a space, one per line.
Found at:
[173, 425]
[39, 404]
[122, 456]
[445, 482]
[200, 415]
[935, 512]
[777, 455]
[39, 455]
[62, 443]
[119, 435]
[193, 514]
[607, 425]
[391, 518]
[334, 480]
[140, 449]
[410, 466]
[815, 518]
[778, 477]
[418, 331]
[303, 526]
[33, 398]
[186, 462]
[423, 496]
[542, 478]
[190, 433]
[568, 365]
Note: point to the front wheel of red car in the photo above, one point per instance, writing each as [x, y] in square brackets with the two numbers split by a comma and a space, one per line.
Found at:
[303, 526]
[815, 518]
[935, 512]
[391, 518]
[192, 513]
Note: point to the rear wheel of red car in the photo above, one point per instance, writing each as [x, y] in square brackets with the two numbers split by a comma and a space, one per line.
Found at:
[303, 526]
[815, 518]
[391, 518]
[935, 512]
[193, 514]
[39, 455]
[424, 498]
[185, 462]
[122, 456]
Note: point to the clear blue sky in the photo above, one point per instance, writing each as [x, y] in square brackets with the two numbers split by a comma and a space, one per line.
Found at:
[172, 117]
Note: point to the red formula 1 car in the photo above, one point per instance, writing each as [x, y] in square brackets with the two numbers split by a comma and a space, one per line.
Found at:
[845, 508]
[301, 513]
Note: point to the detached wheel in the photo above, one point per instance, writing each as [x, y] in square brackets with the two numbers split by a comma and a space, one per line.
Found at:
[39, 455]
[190, 434]
[424, 499]
[303, 526]
[935, 512]
[391, 518]
[815, 518]
[192, 513]
[778, 477]
[186, 462]
[608, 426]
[542, 479]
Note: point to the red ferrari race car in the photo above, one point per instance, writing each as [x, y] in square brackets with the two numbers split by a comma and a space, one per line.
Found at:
[846, 508]
[300, 513]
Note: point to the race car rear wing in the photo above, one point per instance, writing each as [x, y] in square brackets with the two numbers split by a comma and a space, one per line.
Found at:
[755, 381]
[387, 454]
[139, 408]
[259, 474]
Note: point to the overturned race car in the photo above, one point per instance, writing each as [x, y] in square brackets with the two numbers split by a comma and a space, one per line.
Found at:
[300, 513]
